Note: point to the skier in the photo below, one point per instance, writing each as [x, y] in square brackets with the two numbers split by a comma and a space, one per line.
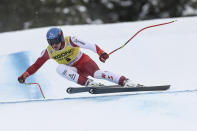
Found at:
[74, 65]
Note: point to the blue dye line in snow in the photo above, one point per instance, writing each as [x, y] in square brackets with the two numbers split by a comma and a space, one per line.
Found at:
[13, 66]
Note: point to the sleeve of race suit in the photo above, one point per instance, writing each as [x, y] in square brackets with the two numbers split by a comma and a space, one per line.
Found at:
[76, 42]
[39, 62]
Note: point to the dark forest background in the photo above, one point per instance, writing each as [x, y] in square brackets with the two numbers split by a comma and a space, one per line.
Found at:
[25, 14]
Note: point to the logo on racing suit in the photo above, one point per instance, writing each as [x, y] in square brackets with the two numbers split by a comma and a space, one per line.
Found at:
[64, 55]
[72, 76]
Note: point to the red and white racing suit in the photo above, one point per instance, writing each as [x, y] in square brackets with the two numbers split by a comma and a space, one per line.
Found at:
[80, 66]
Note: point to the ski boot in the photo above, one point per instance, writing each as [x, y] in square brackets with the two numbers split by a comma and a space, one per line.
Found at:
[91, 83]
[128, 83]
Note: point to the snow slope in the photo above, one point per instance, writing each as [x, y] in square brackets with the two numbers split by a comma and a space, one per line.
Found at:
[160, 55]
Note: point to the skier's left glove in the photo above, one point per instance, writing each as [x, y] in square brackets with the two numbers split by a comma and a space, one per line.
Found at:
[103, 57]
[23, 77]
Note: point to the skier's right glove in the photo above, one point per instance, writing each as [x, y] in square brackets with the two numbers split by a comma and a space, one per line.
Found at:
[22, 78]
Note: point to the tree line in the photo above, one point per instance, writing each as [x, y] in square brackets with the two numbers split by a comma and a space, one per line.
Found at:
[25, 14]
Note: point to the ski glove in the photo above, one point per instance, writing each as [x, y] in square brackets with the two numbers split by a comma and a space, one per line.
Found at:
[103, 57]
[23, 77]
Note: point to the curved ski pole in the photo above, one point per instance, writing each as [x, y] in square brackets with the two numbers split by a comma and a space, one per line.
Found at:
[38, 86]
[141, 31]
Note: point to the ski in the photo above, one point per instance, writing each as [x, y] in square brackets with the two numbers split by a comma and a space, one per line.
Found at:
[115, 89]
[104, 90]
[73, 90]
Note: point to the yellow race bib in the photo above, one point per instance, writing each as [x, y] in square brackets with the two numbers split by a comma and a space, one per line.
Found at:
[65, 55]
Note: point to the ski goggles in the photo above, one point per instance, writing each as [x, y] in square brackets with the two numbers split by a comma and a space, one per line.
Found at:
[54, 41]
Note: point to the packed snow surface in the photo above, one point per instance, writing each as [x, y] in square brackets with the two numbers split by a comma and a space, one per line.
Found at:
[156, 56]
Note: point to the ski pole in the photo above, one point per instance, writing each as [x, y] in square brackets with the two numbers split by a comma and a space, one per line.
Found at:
[141, 31]
[38, 86]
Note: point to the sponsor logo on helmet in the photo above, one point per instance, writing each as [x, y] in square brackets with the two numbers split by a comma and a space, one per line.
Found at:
[51, 35]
